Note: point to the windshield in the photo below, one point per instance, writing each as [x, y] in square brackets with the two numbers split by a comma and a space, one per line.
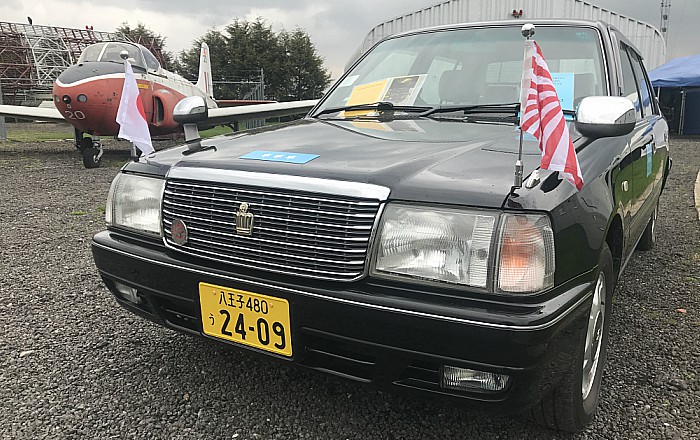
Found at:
[111, 52]
[467, 67]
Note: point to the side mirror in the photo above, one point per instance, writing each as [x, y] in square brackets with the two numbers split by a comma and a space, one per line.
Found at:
[191, 110]
[605, 116]
[188, 112]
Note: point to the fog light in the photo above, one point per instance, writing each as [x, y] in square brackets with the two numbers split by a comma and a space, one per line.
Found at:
[128, 293]
[464, 379]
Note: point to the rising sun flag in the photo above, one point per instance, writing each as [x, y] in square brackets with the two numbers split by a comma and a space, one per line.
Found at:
[131, 117]
[542, 116]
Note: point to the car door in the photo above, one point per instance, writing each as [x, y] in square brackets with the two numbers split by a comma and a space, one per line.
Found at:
[633, 182]
[653, 151]
[655, 154]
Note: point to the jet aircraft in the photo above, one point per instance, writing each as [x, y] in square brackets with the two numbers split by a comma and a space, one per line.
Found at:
[87, 96]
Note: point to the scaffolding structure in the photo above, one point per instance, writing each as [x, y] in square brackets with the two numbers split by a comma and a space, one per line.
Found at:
[33, 56]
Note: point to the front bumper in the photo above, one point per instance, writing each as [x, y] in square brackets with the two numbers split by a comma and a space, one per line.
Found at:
[388, 335]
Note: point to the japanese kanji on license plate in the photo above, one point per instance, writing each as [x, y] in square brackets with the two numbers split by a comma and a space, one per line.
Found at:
[247, 318]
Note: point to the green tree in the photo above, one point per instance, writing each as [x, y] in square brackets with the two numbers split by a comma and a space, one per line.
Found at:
[292, 68]
[307, 78]
[152, 41]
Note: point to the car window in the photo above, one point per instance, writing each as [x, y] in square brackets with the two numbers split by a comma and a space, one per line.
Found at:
[642, 83]
[471, 66]
[439, 65]
[629, 82]
[394, 64]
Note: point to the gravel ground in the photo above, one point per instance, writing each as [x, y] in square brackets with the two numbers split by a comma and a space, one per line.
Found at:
[75, 365]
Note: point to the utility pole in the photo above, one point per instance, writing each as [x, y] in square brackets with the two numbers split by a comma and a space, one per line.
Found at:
[665, 14]
[3, 129]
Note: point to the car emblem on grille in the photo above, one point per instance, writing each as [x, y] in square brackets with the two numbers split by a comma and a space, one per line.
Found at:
[178, 231]
[244, 221]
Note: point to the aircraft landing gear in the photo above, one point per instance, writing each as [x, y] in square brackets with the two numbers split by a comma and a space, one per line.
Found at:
[92, 154]
[90, 149]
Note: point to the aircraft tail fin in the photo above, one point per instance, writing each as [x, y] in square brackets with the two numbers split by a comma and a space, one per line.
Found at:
[204, 82]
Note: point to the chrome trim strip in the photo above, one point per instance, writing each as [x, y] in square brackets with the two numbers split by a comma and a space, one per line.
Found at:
[360, 304]
[293, 183]
[357, 204]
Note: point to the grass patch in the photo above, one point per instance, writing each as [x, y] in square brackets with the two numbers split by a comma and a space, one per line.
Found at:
[38, 136]
[78, 212]
[216, 131]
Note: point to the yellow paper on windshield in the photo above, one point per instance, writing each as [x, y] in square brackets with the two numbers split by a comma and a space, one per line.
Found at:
[365, 94]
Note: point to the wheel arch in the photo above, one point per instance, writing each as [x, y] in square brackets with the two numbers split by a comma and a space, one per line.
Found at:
[615, 240]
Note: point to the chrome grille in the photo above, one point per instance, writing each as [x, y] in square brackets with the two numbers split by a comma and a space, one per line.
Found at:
[298, 233]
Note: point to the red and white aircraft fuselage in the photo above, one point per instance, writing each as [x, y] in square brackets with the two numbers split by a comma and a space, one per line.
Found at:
[87, 96]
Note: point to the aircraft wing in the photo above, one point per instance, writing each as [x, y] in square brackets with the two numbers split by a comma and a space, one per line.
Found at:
[227, 115]
[21, 111]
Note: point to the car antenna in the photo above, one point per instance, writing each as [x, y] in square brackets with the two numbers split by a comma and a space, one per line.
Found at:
[528, 31]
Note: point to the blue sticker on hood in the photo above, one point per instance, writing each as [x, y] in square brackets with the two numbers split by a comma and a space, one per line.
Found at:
[280, 156]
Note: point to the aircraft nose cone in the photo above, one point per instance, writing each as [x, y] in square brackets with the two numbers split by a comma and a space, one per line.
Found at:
[88, 96]
[80, 72]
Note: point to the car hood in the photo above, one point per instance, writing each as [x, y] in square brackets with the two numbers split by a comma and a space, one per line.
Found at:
[418, 160]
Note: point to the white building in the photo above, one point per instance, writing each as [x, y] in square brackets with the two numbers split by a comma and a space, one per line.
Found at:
[646, 37]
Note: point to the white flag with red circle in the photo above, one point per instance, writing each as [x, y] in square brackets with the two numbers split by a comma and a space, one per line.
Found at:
[131, 116]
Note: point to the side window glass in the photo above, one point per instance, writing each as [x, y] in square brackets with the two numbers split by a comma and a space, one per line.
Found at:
[629, 83]
[643, 84]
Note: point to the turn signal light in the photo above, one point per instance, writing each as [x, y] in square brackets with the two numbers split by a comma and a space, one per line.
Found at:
[526, 257]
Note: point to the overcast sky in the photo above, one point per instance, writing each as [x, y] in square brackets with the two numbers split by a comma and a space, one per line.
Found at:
[336, 27]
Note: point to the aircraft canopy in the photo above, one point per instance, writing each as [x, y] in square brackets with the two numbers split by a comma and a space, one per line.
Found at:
[111, 51]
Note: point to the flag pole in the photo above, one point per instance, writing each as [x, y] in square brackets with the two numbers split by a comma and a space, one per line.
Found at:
[528, 31]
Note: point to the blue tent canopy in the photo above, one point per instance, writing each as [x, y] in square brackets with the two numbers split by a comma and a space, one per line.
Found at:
[680, 72]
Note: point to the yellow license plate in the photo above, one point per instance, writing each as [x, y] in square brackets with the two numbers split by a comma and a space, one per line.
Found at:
[247, 318]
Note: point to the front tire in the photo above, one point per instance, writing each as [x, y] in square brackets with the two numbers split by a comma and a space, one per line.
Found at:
[91, 157]
[571, 405]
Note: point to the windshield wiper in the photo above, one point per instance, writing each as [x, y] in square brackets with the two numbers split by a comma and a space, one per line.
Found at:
[381, 106]
[512, 107]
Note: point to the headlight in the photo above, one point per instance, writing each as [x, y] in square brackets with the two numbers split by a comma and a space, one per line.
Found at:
[457, 246]
[526, 254]
[446, 245]
[134, 203]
